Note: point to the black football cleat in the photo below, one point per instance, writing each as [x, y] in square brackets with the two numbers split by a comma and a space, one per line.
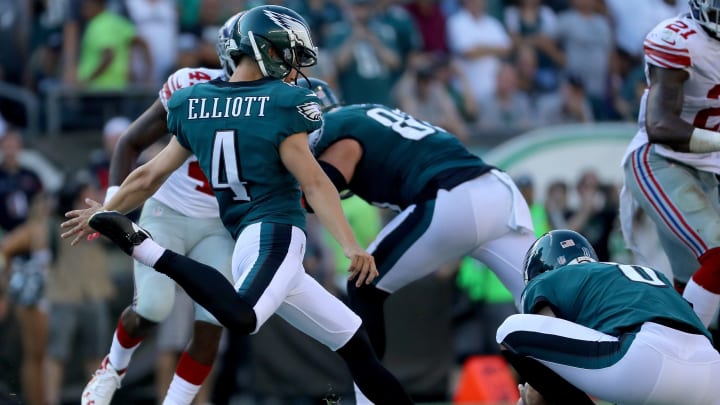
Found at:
[119, 229]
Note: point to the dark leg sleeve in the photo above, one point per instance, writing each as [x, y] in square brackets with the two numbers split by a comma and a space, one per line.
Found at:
[549, 384]
[374, 380]
[209, 288]
[367, 301]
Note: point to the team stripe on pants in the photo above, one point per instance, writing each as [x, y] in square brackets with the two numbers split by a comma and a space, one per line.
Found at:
[670, 214]
[394, 244]
[559, 341]
[274, 244]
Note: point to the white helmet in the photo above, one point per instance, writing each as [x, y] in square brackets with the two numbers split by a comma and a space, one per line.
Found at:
[707, 14]
[223, 35]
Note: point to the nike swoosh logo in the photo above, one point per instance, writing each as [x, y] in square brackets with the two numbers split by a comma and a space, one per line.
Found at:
[668, 42]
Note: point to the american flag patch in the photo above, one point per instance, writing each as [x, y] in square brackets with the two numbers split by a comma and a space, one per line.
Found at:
[567, 243]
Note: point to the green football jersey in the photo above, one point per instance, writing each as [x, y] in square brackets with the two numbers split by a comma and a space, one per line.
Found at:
[235, 130]
[609, 297]
[401, 154]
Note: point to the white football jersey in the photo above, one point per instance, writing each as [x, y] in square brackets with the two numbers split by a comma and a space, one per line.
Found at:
[187, 190]
[681, 43]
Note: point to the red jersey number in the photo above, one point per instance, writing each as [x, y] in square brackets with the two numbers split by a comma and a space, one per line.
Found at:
[195, 172]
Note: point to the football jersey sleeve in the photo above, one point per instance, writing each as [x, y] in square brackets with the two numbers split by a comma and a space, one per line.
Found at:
[303, 112]
[666, 46]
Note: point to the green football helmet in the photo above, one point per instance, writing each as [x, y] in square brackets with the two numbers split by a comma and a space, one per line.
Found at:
[557, 248]
[327, 97]
[276, 28]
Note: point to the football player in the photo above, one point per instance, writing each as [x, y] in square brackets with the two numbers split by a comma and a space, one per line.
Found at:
[450, 203]
[613, 331]
[250, 138]
[670, 166]
[182, 215]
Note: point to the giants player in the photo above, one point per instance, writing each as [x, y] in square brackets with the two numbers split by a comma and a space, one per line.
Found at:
[182, 215]
[671, 165]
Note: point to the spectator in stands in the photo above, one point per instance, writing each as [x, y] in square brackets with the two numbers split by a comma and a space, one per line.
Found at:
[14, 34]
[366, 54]
[422, 95]
[633, 20]
[188, 55]
[453, 79]
[25, 251]
[18, 185]
[480, 41]
[99, 163]
[432, 24]
[556, 204]
[508, 110]
[105, 49]
[596, 212]
[586, 38]
[156, 22]
[407, 35]
[533, 24]
[79, 288]
[319, 14]
[567, 105]
[525, 61]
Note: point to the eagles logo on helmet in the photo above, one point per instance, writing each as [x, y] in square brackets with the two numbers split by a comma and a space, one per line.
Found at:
[276, 37]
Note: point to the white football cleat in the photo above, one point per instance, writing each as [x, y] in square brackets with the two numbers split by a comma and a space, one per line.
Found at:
[102, 386]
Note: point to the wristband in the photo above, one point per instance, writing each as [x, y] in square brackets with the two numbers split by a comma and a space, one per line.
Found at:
[110, 193]
[704, 140]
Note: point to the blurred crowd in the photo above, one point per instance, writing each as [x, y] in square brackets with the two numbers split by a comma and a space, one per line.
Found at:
[476, 67]
[479, 68]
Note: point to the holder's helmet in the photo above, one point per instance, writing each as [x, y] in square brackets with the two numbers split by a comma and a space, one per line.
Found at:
[555, 249]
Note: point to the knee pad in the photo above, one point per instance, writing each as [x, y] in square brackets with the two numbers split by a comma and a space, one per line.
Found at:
[154, 307]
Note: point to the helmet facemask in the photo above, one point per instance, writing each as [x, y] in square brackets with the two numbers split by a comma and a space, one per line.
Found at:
[707, 14]
[292, 45]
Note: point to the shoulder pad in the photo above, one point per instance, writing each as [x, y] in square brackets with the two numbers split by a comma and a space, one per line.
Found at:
[667, 45]
[186, 77]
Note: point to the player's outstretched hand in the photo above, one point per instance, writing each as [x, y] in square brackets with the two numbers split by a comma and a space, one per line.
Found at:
[362, 265]
[77, 226]
[530, 396]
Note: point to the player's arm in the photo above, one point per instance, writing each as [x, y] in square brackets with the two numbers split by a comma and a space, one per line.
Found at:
[664, 105]
[322, 195]
[547, 311]
[339, 160]
[137, 187]
[142, 182]
[147, 129]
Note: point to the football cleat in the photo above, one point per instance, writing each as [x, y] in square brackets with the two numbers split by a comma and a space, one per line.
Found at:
[119, 229]
[102, 386]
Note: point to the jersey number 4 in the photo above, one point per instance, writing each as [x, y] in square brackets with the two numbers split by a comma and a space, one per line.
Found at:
[225, 168]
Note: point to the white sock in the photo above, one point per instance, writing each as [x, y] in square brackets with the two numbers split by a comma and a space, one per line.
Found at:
[360, 398]
[705, 303]
[180, 392]
[148, 252]
[119, 355]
